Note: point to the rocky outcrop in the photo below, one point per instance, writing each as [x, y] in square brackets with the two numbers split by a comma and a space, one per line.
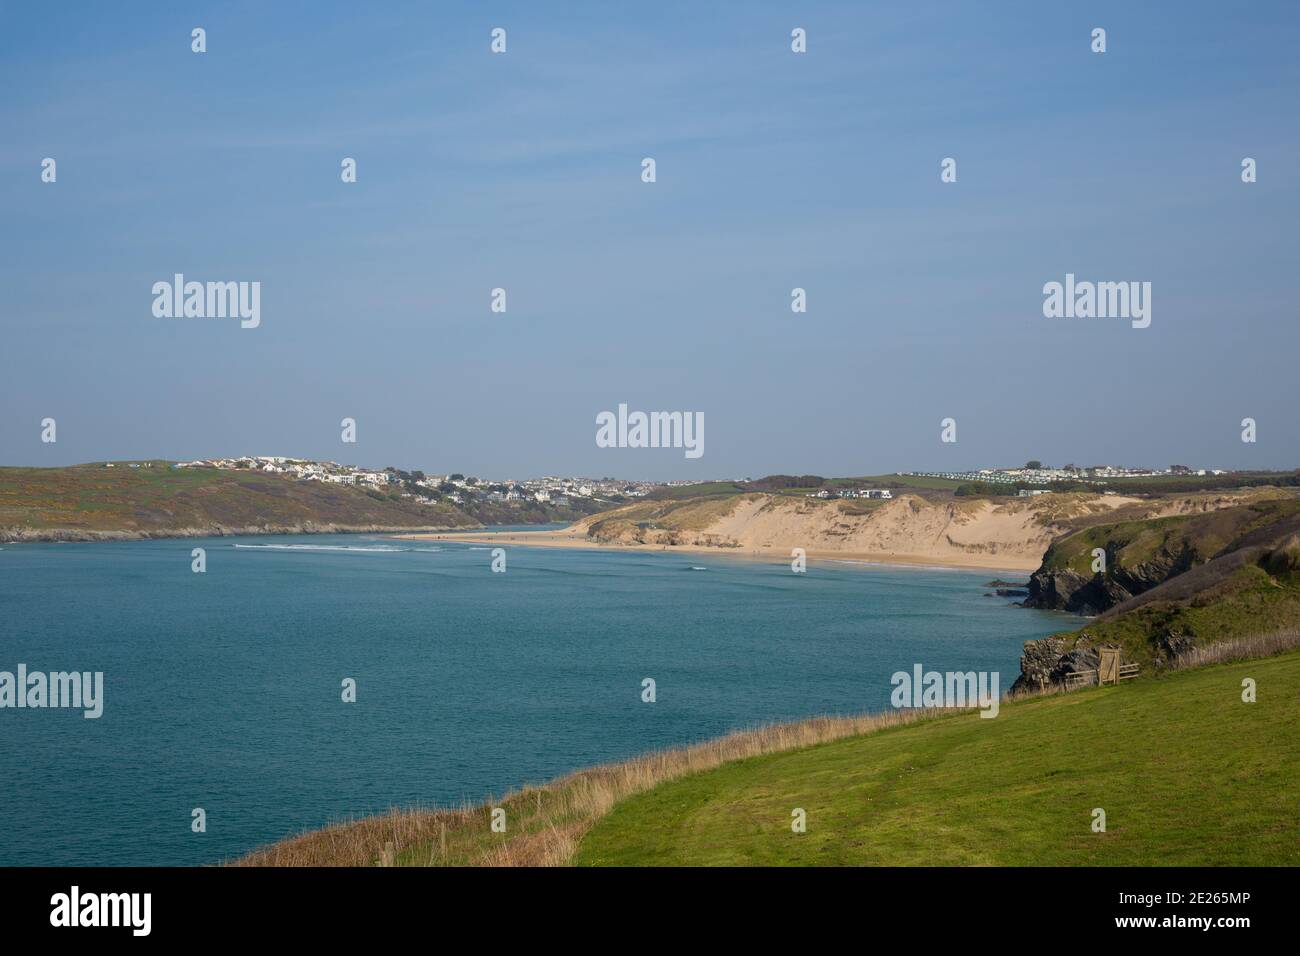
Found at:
[1038, 660]
[1066, 590]
[1048, 660]
[1063, 589]
[1146, 552]
[1173, 584]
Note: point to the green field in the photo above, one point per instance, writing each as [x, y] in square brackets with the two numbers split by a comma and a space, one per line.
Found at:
[784, 485]
[156, 499]
[703, 489]
[1186, 772]
[1173, 484]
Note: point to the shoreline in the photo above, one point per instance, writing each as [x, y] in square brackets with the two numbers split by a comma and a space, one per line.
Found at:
[554, 538]
[85, 535]
[777, 555]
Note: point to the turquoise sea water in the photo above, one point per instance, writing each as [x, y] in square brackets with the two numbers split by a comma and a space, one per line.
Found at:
[223, 689]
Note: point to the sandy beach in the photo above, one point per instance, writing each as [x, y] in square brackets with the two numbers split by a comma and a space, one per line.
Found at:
[571, 538]
[972, 534]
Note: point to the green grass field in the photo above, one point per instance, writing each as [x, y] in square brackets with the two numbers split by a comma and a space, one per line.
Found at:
[1186, 772]
[159, 499]
[909, 483]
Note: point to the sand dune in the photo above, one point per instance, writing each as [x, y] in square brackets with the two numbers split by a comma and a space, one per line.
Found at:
[909, 529]
[968, 533]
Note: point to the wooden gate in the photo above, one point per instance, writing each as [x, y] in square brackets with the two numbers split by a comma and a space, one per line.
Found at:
[1108, 669]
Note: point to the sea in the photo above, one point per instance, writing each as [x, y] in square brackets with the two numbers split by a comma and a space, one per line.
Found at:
[226, 690]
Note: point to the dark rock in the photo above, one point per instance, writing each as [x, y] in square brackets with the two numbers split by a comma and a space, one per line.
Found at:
[1061, 589]
[1172, 645]
[1066, 590]
[1039, 659]
[1072, 662]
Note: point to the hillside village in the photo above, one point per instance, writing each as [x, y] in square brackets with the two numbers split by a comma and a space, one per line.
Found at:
[884, 493]
[459, 489]
[558, 498]
[1034, 473]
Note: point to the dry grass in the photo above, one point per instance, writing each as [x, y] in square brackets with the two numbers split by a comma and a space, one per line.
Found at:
[545, 823]
[1240, 649]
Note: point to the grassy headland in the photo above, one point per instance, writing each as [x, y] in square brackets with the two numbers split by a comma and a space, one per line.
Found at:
[155, 500]
[1173, 583]
[1186, 771]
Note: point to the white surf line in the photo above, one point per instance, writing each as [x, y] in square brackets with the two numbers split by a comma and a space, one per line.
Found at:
[320, 547]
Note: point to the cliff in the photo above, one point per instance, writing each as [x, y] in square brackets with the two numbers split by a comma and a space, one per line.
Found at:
[1170, 584]
[1137, 555]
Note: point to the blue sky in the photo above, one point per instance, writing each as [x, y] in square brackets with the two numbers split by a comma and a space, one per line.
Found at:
[775, 170]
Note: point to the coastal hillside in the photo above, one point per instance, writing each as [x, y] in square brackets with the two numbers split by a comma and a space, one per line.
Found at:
[1019, 790]
[89, 502]
[1006, 532]
[1169, 585]
[1142, 554]
[912, 787]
